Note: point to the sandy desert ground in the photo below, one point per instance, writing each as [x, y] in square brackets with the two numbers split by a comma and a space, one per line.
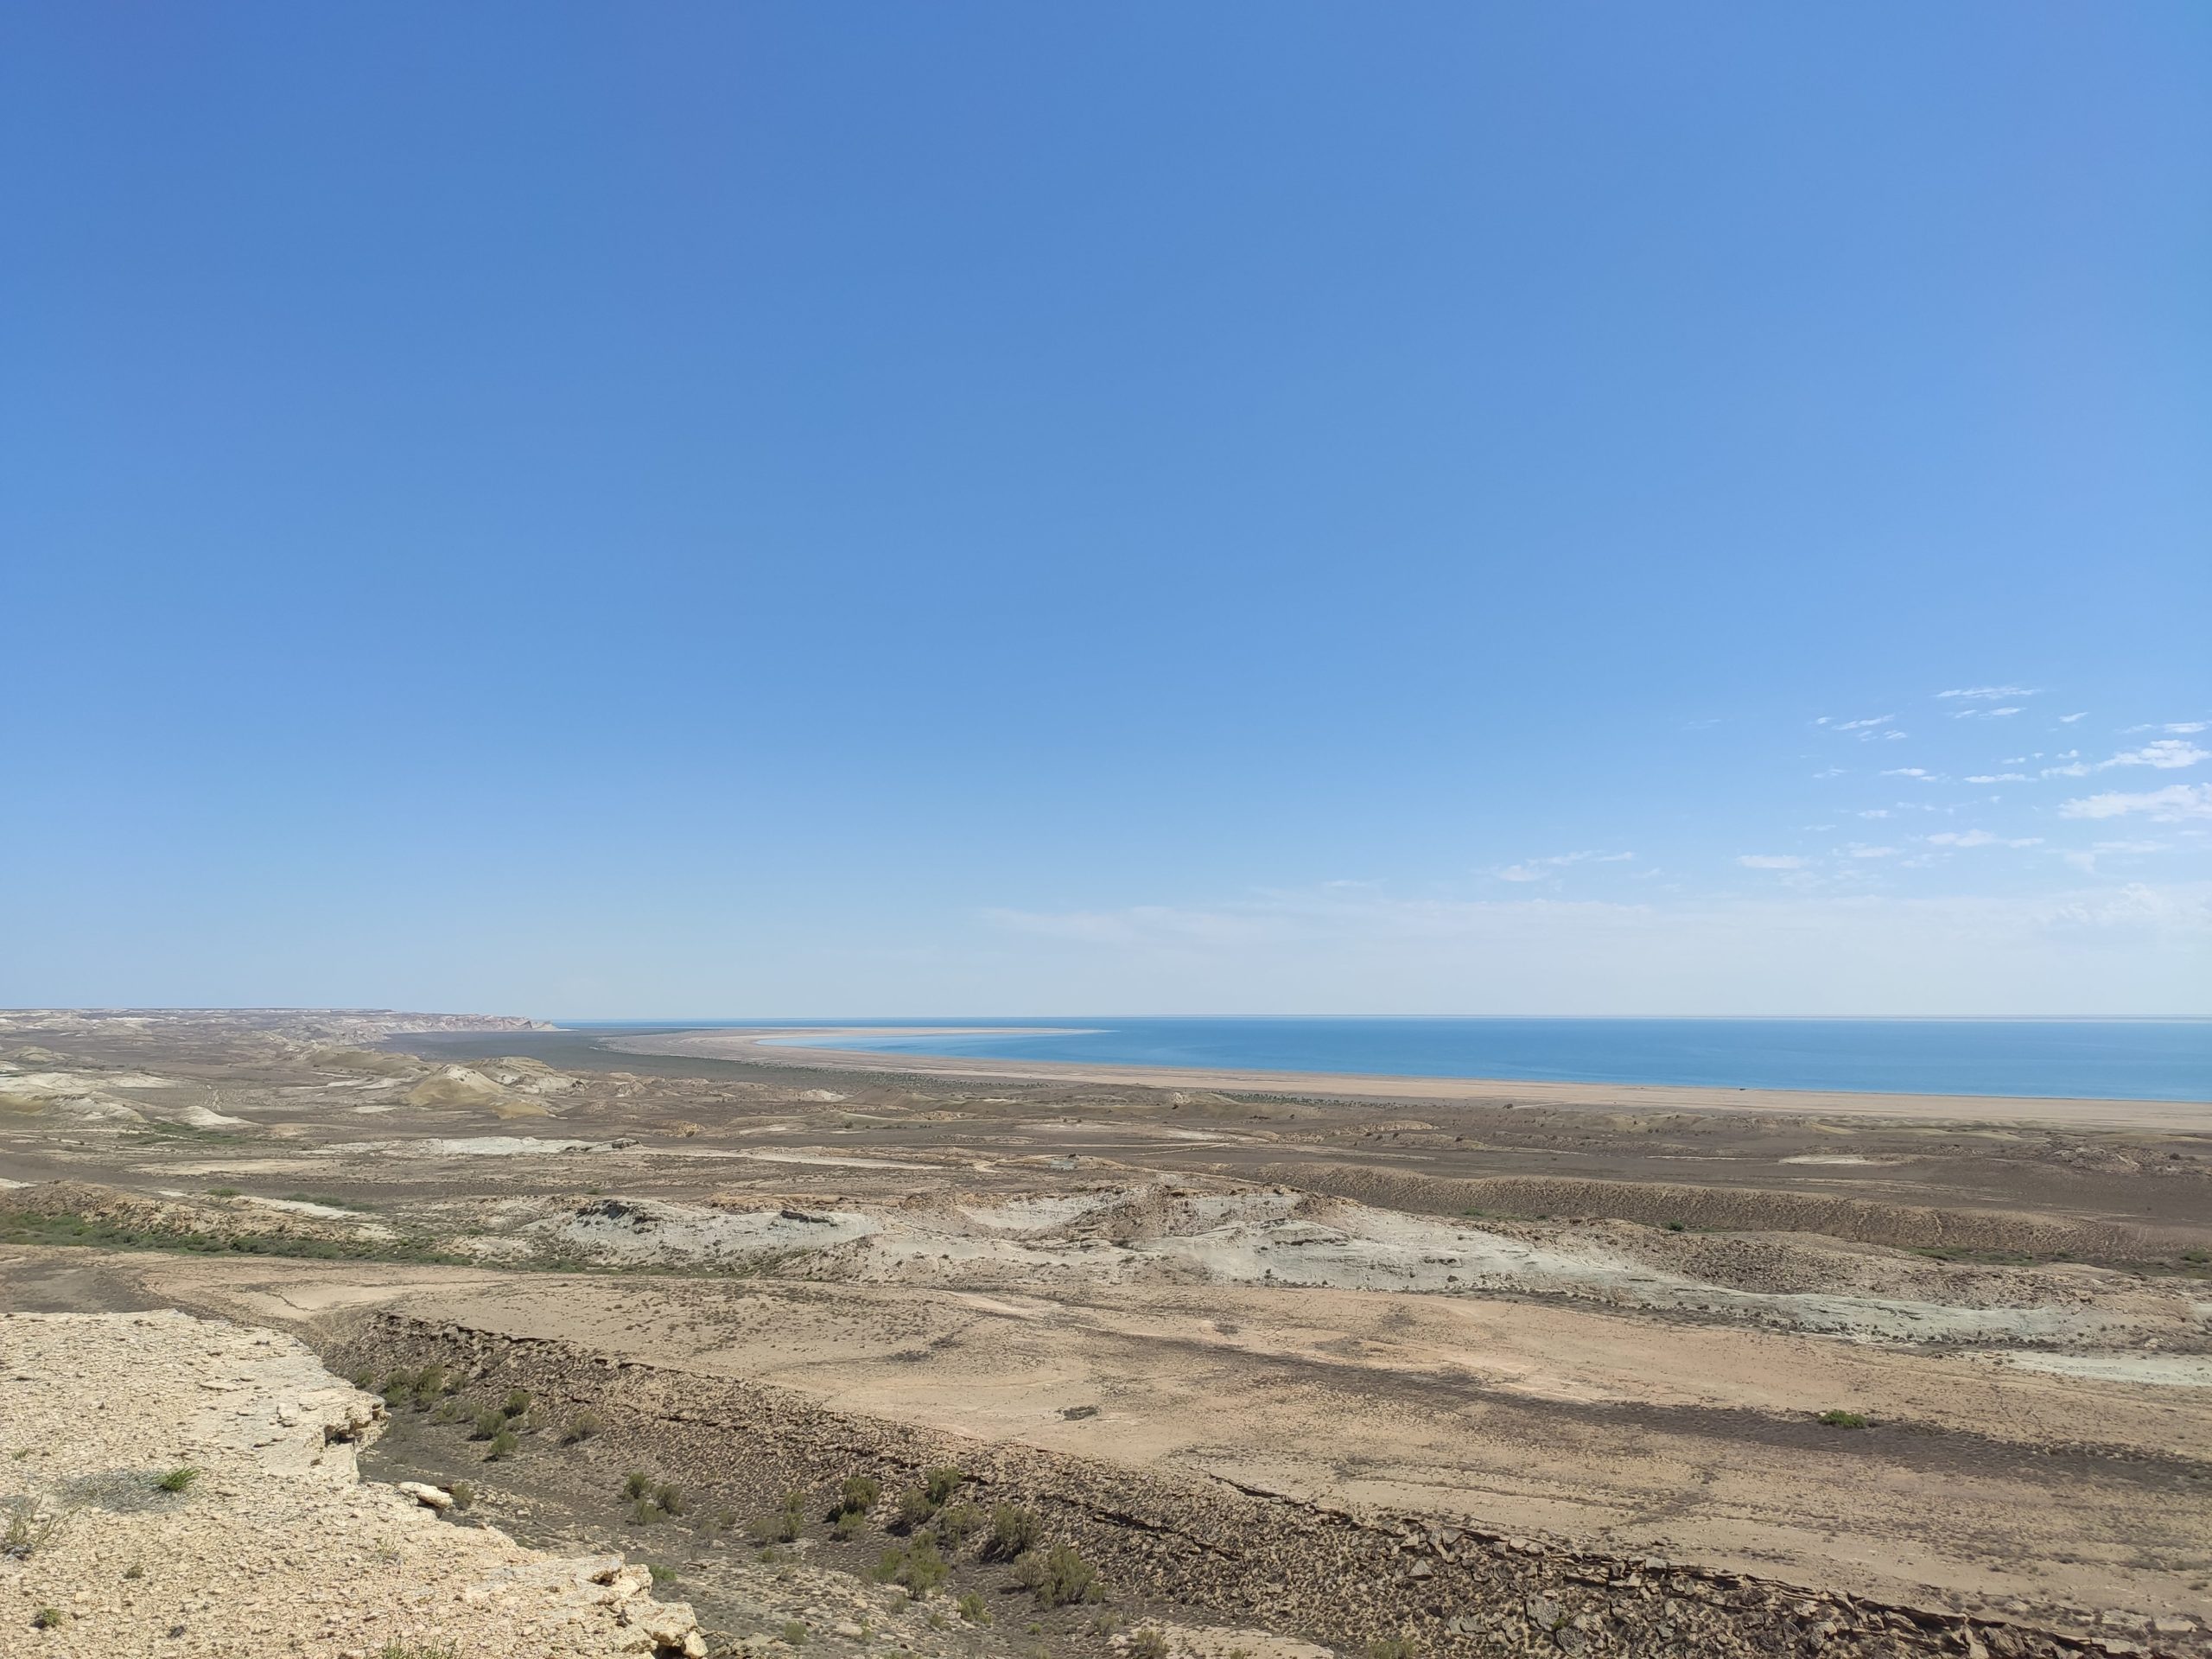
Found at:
[1296, 1366]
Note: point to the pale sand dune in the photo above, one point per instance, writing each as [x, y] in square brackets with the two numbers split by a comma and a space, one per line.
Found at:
[754, 1045]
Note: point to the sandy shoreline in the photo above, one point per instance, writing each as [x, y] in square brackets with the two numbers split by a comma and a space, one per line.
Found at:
[754, 1047]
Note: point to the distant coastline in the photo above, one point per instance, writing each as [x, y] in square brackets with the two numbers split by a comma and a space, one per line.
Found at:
[863, 1047]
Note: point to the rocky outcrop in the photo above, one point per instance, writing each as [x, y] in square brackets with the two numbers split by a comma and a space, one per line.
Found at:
[177, 1487]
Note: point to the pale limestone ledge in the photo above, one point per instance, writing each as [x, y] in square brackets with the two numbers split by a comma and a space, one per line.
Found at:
[278, 1547]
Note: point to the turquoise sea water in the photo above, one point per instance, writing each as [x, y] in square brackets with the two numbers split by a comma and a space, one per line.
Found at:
[2125, 1059]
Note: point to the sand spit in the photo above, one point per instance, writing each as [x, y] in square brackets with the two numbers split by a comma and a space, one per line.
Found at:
[270, 1543]
[787, 1046]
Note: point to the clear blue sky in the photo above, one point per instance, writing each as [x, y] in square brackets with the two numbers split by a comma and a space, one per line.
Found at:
[817, 508]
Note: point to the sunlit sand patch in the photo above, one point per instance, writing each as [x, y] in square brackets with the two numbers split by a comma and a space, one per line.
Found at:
[2162, 1371]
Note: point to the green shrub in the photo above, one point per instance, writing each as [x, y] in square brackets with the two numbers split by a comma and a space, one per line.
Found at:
[1014, 1532]
[1394, 1647]
[784, 1525]
[637, 1484]
[398, 1380]
[47, 1618]
[487, 1424]
[450, 1410]
[222, 1191]
[644, 1512]
[941, 1482]
[177, 1479]
[1675, 1226]
[847, 1524]
[518, 1402]
[670, 1496]
[1148, 1643]
[581, 1426]
[859, 1494]
[956, 1524]
[1058, 1576]
[464, 1495]
[917, 1566]
[794, 1634]
[1842, 1420]
[504, 1445]
[972, 1608]
[914, 1508]
[661, 1574]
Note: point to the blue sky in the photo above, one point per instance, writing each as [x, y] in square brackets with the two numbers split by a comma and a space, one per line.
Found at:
[836, 509]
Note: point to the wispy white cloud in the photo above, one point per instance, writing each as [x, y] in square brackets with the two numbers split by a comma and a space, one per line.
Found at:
[1538, 869]
[1998, 777]
[1875, 812]
[1829, 772]
[2175, 804]
[1854, 725]
[2180, 728]
[1986, 714]
[1978, 838]
[1921, 772]
[2166, 754]
[2068, 719]
[1989, 693]
[2086, 858]
[1772, 862]
[1860, 850]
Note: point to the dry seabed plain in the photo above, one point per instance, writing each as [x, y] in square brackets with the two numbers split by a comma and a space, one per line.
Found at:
[844, 1360]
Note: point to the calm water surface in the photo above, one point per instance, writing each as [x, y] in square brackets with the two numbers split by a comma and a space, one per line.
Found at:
[2121, 1060]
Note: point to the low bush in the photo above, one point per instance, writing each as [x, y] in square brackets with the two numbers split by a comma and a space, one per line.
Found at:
[670, 1496]
[487, 1424]
[956, 1524]
[941, 1482]
[518, 1402]
[1059, 1577]
[859, 1494]
[1015, 1532]
[1148, 1643]
[637, 1484]
[784, 1525]
[914, 1508]
[582, 1428]
[847, 1525]
[917, 1566]
[1842, 1420]
[176, 1480]
[1394, 1647]
[972, 1608]
[504, 1445]
[464, 1495]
